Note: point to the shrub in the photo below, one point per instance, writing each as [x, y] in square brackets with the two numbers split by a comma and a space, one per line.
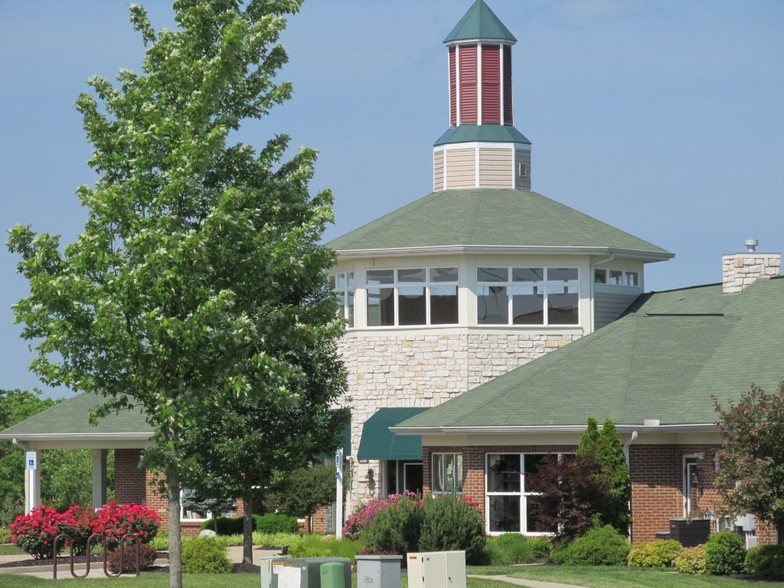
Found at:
[161, 541]
[394, 529]
[450, 523]
[77, 524]
[541, 547]
[654, 554]
[357, 521]
[724, 553]
[147, 557]
[275, 523]
[690, 560]
[508, 549]
[765, 561]
[35, 532]
[114, 521]
[204, 555]
[5, 536]
[323, 546]
[224, 525]
[602, 546]
[275, 540]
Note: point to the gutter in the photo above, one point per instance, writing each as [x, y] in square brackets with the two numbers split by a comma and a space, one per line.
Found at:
[509, 249]
[534, 429]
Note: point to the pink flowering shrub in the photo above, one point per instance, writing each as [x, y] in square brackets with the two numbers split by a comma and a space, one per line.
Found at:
[114, 521]
[77, 524]
[364, 515]
[35, 532]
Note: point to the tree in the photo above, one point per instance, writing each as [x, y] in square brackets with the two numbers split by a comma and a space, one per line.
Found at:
[15, 406]
[305, 490]
[611, 459]
[590, 437]
[198, 281]
[751, 459]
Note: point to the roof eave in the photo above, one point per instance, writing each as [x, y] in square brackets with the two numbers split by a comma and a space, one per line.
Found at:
[538, 429]
[650, 256]
[33, 437]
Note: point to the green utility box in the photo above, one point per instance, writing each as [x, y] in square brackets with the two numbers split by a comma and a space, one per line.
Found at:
[305, 572]
[333, 575]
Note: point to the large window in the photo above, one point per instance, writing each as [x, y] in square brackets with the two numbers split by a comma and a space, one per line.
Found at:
[512, 503]
[527, 296]
[419, 296]
[343, 285]
[447, 473]
[616, 278]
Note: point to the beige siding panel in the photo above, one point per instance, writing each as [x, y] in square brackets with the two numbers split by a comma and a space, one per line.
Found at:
[438, 170]
[460, 168]
[495, 168]
[608, 306]
[522, 158]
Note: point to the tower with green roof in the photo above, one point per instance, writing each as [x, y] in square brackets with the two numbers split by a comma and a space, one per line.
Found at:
[481, 148]
[473, 280]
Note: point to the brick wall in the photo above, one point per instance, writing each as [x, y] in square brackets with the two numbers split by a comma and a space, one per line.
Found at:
[129, 479]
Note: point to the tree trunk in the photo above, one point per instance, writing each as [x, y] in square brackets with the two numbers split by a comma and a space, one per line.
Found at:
[247, 529]
[175, 531]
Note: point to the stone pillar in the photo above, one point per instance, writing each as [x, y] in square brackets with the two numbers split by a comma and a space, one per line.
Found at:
[740, 270]
[99, 476]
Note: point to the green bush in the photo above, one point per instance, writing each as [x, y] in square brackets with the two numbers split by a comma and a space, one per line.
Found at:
[508, 549]
[653, 554]
[275, 540]
[5, 536]
[204, 555]
[275, 523]
[690, 560]
[224, 525]
[161, 541]
[394, 530]
[448, 523]
[322, 546]
[765, 561]
[602, 546]
[724, 553]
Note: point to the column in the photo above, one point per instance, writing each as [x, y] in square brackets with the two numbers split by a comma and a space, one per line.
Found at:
[99, 476]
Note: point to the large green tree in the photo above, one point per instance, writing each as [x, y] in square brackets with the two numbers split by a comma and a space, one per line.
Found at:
[751, 460]
[198, 281]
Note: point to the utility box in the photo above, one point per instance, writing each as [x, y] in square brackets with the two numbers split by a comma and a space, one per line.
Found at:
[437, 569]
[266, 565]
[304, 572]
[333, 576]
[378, 571]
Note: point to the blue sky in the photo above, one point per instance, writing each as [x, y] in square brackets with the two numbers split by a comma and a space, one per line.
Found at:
[662, 117]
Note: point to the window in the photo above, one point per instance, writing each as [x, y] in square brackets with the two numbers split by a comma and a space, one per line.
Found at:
[419, 296]
[343, 286]
[527, 296]
[512, 506]
[447, 473]
[616, 278]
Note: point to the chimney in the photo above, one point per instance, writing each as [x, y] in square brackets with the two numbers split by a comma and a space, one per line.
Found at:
[742, 269]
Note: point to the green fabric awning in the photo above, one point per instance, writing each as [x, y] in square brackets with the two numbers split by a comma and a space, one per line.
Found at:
[378, 442]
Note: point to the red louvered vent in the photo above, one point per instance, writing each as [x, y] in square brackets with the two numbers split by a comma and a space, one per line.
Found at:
[508, 118]
[491, 84]
[452, 88]
[468, 84]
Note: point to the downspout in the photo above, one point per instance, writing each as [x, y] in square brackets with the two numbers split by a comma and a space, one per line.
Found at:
[593, 290]
[626, 454]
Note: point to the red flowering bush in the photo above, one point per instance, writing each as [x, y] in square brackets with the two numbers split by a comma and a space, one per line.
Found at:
[365, 514]
[76, 522]
[115, 521]
[35, 532]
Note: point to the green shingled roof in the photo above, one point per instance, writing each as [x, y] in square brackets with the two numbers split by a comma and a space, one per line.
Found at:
[483, 134]
[664, 360]
[480, 23]
[70, 420]
[492, 218]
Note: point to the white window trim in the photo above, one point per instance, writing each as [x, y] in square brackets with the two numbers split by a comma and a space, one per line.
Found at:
[456, 455]
[349, 289]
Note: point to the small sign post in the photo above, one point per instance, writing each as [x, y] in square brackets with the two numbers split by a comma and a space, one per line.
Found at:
[31, 460]
[339, 493]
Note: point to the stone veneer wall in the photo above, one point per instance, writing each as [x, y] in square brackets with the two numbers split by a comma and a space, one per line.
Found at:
[420, 369]
[742, 269]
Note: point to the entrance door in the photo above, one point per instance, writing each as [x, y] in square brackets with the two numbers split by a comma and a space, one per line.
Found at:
[412, 477]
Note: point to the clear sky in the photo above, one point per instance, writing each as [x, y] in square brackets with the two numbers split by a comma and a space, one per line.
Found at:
[664, 118]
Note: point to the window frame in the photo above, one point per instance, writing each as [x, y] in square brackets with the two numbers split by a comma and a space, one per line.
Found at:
[346, 295]
[457, 457]
[522, 494]
[428, 285]
[545, 287]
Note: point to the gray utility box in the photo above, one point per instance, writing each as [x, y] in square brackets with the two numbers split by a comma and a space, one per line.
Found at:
[379, 571]
[303, 572]
[437, 569]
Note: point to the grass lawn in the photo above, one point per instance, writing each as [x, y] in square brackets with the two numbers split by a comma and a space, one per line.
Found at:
[620, 577]
[10, 549]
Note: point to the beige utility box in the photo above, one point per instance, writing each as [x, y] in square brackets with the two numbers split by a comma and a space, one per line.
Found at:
[437, 569]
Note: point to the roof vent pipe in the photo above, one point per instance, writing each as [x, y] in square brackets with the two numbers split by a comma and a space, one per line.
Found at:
[751, 245]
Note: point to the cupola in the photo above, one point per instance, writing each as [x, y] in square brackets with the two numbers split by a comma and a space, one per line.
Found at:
[481, 148]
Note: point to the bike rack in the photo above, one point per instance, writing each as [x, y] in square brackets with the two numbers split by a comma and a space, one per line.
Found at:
[94, 538]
